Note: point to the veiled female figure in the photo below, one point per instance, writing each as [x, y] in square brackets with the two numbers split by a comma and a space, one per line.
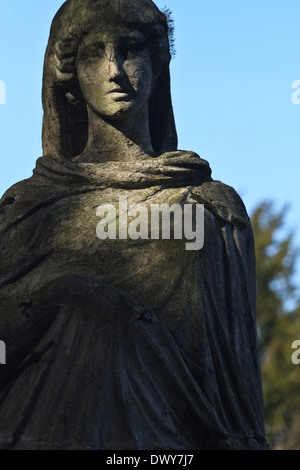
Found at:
[122, 344]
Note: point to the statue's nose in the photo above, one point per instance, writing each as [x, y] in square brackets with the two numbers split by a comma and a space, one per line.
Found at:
[115, 63]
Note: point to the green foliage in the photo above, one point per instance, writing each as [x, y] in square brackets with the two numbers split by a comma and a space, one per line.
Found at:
[171, 29]
[278, 316]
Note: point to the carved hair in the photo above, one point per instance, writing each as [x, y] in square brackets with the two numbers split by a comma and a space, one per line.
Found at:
[65, 122]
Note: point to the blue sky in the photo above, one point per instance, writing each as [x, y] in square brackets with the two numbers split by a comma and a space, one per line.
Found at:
[231, 85]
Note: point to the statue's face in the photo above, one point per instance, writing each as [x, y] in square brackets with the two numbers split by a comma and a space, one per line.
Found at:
[115, 72]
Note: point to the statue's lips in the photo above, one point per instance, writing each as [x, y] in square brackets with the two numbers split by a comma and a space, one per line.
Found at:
[120, 94]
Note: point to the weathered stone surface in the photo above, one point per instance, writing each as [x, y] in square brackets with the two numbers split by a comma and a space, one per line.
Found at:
[122, 344]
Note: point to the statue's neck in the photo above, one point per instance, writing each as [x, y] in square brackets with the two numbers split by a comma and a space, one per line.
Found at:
[119, 140]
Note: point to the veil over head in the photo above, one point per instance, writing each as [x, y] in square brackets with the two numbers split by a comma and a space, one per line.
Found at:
[65, 123]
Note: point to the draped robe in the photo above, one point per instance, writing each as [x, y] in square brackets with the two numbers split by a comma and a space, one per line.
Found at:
[126, 344]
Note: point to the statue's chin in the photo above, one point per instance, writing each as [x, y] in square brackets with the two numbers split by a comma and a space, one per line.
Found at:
[119, 110]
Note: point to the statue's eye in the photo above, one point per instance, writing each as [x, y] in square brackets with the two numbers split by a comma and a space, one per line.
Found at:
[88, 51]
[131, 46]
[136, 45]
[96, 50]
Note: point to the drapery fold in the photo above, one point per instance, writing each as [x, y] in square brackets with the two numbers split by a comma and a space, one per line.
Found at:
[126, 344]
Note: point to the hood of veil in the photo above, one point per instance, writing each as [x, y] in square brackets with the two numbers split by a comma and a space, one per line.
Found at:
[65, 122]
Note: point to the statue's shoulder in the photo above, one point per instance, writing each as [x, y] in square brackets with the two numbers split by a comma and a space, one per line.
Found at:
[223, 200]
[17, 200]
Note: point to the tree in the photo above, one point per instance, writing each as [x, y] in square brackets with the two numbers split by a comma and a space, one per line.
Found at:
[278, 316]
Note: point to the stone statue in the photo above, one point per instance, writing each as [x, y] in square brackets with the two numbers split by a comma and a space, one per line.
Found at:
[125, 343]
